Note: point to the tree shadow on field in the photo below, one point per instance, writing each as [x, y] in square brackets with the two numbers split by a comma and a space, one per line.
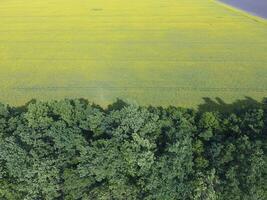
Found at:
[237, 106]
[22, 108]
[117, 105]
[86, 102]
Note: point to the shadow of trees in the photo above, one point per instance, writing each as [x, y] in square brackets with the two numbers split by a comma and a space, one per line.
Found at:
[21, 108]
[209, 105]
[237, 106]
[117, 105]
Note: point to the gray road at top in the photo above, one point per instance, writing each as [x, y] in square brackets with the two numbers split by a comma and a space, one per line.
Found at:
[255, 7]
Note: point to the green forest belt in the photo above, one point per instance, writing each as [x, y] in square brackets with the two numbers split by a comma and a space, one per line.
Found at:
[75, 150]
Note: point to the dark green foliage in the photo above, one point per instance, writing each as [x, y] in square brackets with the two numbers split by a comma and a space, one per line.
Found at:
[71, 149]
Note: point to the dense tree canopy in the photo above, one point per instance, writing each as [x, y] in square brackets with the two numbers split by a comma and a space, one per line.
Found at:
[72, 149]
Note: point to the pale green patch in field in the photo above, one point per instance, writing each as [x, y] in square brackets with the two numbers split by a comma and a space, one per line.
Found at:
[153, 52]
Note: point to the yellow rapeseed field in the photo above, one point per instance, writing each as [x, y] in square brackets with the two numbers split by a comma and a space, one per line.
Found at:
[156, 52]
